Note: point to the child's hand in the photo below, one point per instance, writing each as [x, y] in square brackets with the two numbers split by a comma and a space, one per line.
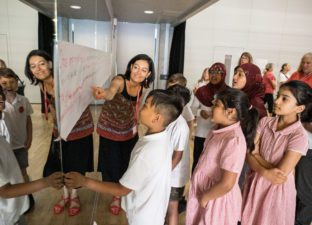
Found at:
[202, 200]
[275, 176]
[74, 180]
[204, 114]
[98, 92]
[55, 180]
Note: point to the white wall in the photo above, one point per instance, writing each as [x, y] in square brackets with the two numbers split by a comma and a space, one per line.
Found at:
[133, 39]
[90, 33]
[276, 30]
[18, 35]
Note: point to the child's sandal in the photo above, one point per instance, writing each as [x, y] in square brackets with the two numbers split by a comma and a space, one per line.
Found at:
[74, 210]
[58, 208]
[115, 209]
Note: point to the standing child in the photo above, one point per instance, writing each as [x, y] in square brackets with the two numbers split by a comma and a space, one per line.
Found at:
[214, 196]
[17, 118]
[269, 191]
[179, 136]
[4, 133]
[13, 203]
[188, 115]
[201, 107]
[146, 183]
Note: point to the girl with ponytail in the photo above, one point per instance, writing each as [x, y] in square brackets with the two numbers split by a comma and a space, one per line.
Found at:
[214, 186]
[280, 142]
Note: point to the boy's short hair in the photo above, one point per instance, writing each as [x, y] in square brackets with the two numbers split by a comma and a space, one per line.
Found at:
[8, 73]
[177, 78]
[167, 104]
[183, 92]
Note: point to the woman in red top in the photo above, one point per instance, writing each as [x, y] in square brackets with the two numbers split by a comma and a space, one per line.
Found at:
[304, 167]
[269, 82]
[304, 72]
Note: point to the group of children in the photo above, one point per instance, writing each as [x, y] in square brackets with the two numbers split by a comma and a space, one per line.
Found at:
[158, 169]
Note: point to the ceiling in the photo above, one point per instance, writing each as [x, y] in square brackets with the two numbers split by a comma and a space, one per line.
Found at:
[165, 11]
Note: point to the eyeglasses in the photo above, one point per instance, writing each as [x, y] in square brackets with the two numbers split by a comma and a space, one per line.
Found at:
[215, 72]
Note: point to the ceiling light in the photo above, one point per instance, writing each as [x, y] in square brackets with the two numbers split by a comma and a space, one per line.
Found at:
[75, 6]
[149, 12]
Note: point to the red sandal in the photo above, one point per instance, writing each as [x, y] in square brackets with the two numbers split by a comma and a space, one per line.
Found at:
[58, 208]
[73, 211]
[115, 209]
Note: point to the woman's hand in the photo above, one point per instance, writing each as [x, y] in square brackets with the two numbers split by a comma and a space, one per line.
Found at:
[98, 93]
[205, 114]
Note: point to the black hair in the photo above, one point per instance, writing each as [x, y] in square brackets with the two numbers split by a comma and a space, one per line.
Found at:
[283, 67]
[27, 71]
[2, 64]
[303, 94]
[182, 91]
[2, 94]
[8, 73]
[246, 114]
[151, 68]
[236, 68]
[167, 104]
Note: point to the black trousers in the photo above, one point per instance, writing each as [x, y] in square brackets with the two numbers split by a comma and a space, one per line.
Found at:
[269, 99]
[304, 190]
[114, 158]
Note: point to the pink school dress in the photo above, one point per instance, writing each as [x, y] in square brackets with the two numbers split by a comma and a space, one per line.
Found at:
[224, 148]
[265, 203]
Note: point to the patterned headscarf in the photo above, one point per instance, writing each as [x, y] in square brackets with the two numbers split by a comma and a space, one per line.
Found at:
[206, 93]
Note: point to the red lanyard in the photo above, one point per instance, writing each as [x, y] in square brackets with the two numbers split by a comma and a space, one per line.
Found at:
[46, 104]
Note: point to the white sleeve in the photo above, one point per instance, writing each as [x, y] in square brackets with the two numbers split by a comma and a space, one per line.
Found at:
[3, 178]
[137, 174]
[187, 113]
[182, 139]
[4, 161]
[195, 106]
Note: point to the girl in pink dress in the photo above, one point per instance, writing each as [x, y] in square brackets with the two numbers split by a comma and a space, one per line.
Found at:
[269, 191]
[214, 196]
